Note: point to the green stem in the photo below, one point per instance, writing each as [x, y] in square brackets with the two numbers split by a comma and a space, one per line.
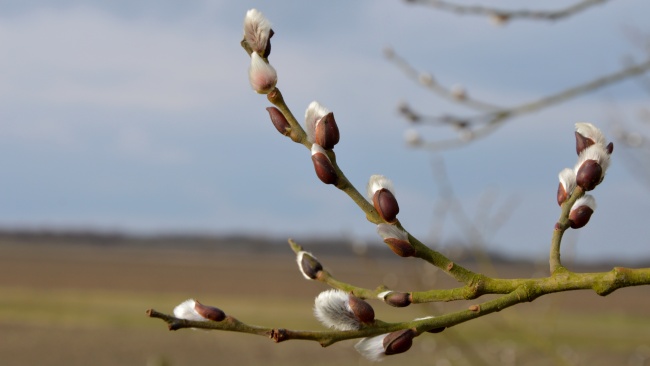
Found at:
[560, 227]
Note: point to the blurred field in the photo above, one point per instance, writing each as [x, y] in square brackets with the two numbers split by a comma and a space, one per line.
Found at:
[82, 304]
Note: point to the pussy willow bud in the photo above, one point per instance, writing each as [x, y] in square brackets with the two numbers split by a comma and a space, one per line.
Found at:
[588, 135]
[376, 348]
[380, 191]
[327, 132]
[567, 185]
[187, 310]
[413, 138]
[591, 167]
[581, 211]
[396, 299]
[340, 310]
[279, 121]
[258, 32]
[361, 310]
[396, 239]
[261, 75]
[459, 92]
[308, 264]
[399, 341]
[499, 19]
[315, 111]
[209, 312]
[323, 165]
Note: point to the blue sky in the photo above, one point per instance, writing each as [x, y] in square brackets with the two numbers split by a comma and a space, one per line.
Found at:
[138, 116]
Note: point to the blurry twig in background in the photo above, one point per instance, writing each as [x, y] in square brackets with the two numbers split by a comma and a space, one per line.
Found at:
[478, 230]
[490, 116]
[501, 16]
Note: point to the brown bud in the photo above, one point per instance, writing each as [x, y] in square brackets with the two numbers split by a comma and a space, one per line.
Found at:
[562, 194]
[327, 132]
[589, 175]
[209, 312]
[580, 216]
[403, 248]
[610, 148]
[399, 341]
[362, 310]
[398, 299]
[310, 266]
[279, 121]
[582, 142]
[324, 168]
[386, 205]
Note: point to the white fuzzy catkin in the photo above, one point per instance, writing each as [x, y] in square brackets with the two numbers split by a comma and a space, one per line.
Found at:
[377, 182]
[315, 111]
[261, 75]
[594, 152]
[256, 30]
[387, 231]
[591, 132]
[332, 309]
[372, 348]
[567, 178]
[185, 310]
[586, 200]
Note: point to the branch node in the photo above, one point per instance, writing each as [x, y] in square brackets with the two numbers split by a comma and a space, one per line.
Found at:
[475, 308]
[278, 335]
[450, 266]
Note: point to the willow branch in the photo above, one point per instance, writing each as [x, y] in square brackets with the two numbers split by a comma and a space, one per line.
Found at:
[551, 15]
[603, 283]
[491, 116]
[298, 135]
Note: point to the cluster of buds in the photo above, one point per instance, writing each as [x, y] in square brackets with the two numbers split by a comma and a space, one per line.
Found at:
[323, 133]
[593, 160]
[195, 311]
[375, 348]
[342, 311]
[257, 35]
[380, 192]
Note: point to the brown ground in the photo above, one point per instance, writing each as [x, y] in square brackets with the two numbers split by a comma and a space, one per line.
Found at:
[85, 305]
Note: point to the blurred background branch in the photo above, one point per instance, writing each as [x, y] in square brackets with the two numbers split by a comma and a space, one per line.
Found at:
[500, 15]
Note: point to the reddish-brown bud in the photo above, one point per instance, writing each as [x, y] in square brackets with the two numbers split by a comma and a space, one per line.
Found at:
[582, 142]
[589, 175]
[209, 312]
[581, 211]
[580, 217]
[398, 299]
[562, 194]
[323, 166]
[403, 248]
[327, 132]
[361, 310]
[279, 121]
[609, 148]
[386, 205]
[399, 341]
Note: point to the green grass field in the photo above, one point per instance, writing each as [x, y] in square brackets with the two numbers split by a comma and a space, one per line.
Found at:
[85, 305]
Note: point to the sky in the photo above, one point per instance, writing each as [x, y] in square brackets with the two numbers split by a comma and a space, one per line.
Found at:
[139, 117]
